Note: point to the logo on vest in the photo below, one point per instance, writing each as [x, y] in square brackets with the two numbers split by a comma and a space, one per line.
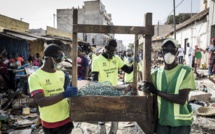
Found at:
[114, 62]
[48, 82]
[104, 64]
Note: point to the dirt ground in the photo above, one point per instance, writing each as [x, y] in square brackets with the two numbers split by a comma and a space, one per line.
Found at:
[201, 125]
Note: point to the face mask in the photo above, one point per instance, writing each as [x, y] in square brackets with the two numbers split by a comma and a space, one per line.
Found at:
[57, 66]
[169, 58]
[130, 59]
[110, 55]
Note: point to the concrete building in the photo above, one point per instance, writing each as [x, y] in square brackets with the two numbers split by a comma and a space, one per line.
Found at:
[120, 46]
[92, 12]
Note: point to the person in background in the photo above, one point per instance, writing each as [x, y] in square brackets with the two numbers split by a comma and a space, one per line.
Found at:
[21, 60]
[172, 85]
[47, 91]
[128, 78]
[39, 59]
[211, 57]
[198, 57]
[83, 65]
[189, 57]
[180, 54]
[105, 68]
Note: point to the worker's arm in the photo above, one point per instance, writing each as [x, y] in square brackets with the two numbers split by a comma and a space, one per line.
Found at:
[140, 76]
[180, 98]
[43, 101]
[87, 72]
[127, 69]
[95, 76]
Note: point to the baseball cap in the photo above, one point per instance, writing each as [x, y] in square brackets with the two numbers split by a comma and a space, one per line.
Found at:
[175, 42]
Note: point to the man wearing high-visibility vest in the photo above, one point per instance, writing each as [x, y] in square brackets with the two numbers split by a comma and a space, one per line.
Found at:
[105, 68]
[172, 85]
[128, 78]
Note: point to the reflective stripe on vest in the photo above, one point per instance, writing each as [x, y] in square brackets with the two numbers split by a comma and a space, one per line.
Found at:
[180, 78]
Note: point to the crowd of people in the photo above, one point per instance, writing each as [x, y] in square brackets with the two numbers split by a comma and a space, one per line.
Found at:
[12, 70]
[194, 55]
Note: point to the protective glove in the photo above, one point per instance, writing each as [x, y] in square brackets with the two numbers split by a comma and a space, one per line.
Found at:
[150, 87]
[70, 92]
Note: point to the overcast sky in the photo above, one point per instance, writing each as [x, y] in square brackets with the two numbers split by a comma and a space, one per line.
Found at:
[39, 13]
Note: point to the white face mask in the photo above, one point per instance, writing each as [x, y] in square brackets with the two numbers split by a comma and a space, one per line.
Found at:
[169, 58]
[57, 66]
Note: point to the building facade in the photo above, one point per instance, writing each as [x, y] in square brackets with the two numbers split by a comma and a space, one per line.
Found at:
[92, 12]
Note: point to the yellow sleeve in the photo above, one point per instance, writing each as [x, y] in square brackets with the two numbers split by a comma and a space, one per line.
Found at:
[34, 83]
[95, 67]
[188, 82]
[139, 67]
[120, 62]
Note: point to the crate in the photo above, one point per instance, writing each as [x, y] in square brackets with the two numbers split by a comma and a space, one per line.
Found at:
[108, 108]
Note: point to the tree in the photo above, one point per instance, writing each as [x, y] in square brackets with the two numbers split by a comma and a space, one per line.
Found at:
[178, 19]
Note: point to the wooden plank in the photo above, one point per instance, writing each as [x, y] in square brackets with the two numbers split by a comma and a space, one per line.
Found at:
[74, 54]
[56, 32]
[83, 28]
[111, 116]
[135, 71]
[107, 108]
[13, 24]
[125, 103]
[74, 49]
[147, 50]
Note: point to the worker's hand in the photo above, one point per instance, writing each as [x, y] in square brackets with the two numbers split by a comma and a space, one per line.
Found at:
[70, 92]
[150, 87]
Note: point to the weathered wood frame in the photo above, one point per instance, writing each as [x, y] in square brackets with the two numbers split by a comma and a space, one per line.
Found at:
[142, 108]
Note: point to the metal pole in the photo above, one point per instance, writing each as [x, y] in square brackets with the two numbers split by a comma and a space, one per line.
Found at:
[191, 8]
[174, 19]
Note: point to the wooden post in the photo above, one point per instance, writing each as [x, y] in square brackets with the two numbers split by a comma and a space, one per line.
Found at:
[135, 73]
[147, 50]
[74, 49]
[74, 54]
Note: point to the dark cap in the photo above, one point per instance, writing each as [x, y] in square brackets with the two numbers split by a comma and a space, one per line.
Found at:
[173, 41]
[52, 50]
[111, 42]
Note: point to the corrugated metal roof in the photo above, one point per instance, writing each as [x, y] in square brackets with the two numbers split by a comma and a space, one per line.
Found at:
[22, 36]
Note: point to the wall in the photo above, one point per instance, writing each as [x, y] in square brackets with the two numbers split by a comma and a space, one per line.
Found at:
[195, 34]
[211, 20]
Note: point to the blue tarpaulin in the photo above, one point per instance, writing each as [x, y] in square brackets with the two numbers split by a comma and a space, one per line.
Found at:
[14, 46]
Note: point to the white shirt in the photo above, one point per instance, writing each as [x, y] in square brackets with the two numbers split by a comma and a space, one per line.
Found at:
[189, 51]
[181, 52]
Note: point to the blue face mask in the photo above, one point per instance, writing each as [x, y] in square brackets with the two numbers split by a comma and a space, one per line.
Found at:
[130, 59]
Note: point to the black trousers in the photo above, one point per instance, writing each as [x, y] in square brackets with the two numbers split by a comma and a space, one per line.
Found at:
[65, 129]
